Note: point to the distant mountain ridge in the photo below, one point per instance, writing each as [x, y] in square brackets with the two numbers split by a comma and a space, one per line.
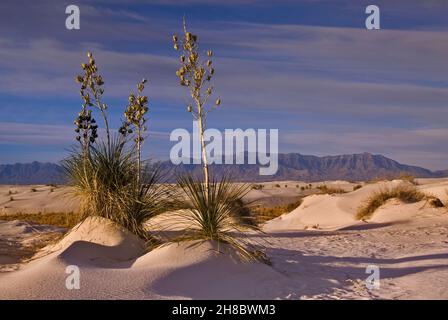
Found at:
[31, 173]
[292, 166]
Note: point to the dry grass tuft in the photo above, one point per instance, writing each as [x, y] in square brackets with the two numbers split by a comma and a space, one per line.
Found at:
[405, 193]
[261, 215]
[330, 190]
[62, 220]
[257, 187]
[402, 176]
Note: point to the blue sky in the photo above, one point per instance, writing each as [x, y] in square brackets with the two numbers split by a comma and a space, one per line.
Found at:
[308, 68]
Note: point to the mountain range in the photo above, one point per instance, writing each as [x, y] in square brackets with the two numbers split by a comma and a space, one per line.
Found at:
[291, 166]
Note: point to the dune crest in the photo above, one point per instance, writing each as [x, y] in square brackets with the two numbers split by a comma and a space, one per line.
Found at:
[332, 212]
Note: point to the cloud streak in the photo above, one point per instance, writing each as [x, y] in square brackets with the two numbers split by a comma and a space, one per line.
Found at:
[283, 75]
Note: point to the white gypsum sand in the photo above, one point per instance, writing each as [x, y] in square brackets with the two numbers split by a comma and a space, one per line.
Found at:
[318, 251]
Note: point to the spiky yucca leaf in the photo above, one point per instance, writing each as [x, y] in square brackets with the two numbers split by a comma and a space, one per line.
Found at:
[213, 214]
[105, 183]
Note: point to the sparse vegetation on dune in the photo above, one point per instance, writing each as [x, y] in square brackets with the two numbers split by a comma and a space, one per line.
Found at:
[63, 220]
[324, 189]
[435, 202]
[257, 187]
[402, 176]
[263, 214]
[407, 177]
[404, 193]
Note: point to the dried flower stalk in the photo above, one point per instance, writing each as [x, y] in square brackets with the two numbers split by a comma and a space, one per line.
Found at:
[196, 75]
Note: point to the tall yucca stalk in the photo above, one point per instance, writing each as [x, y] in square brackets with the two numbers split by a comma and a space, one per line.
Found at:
[135, 121]
[196, 74]
[91, 93]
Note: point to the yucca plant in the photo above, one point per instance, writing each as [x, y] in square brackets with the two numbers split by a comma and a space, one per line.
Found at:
[213, 213]
[107, 174]
[107, 187]
[213, 207]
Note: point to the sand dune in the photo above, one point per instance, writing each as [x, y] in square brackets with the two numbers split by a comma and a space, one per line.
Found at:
[331, 212]
[408, 242]
[36, 199]
[60, 199]
[113, 264]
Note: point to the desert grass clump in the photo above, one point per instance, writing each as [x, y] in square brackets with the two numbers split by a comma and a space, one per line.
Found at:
[257, 187]
[435, 202]
[324, 189]
[404, 193]
[263, 214]
[214, 213]
[407, 177]
[62, 220]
